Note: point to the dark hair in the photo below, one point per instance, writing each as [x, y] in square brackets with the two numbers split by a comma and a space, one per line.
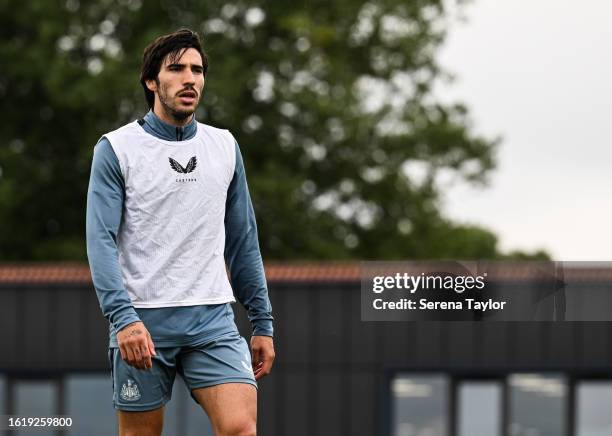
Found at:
[173, 45]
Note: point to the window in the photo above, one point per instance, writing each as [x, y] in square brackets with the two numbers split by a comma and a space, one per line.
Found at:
[538, 405]
[420, 405]
[479, 408]
[593, 408]
[89, 402]
[35, 398]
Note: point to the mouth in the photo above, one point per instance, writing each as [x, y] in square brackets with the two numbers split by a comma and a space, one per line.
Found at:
[188, 97]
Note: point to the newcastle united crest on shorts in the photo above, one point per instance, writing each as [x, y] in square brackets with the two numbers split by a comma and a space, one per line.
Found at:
[130, 391]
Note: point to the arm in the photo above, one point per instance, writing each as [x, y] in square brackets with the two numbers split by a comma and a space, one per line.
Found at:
[105, 197]
[243, 258]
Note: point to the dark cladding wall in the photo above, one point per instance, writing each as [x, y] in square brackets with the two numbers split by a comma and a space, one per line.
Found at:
[331, 371]
[52, 328]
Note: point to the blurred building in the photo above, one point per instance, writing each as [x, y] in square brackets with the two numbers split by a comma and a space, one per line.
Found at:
[334, 374]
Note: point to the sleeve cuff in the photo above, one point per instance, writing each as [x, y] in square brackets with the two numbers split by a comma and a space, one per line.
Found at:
[124, 317]
[263, 328]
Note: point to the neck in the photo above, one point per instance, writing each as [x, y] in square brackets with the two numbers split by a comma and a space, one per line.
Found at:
[159, 111]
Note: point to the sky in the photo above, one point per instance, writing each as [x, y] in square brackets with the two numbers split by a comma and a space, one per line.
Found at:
[538, 74]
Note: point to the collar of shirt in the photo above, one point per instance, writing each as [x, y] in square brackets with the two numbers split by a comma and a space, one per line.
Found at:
[156, 127]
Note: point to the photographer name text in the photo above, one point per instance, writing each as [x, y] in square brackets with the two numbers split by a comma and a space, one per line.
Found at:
[425, 304]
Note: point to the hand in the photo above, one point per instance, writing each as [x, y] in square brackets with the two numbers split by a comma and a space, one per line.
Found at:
[262, 352]
[136, 345]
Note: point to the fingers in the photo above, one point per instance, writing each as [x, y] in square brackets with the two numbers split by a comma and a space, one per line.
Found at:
[146, 357]
[142, 357]
[262, 349]
[151, 346]
[138, 354]
[255, 357]
[256, 362]
[148, 352]
[129, 354]
[264, 367]
[137, 357]
[257, 370]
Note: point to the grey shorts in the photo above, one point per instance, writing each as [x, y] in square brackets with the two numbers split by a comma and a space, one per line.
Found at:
[225, 359]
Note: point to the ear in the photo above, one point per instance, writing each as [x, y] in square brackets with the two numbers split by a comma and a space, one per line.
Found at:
[151, 84]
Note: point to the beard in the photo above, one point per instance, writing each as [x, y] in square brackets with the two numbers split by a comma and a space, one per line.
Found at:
[167, 102]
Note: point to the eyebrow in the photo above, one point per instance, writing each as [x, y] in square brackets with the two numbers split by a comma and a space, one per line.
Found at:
[201, 67]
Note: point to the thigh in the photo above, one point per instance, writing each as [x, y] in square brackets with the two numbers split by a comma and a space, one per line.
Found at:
[219, 375]
[230, 406]
[149, 423]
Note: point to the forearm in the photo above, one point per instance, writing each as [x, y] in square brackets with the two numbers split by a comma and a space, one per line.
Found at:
[114, 300]
[249, 283]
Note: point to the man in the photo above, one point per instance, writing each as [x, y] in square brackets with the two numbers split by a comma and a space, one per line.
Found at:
[168, 209]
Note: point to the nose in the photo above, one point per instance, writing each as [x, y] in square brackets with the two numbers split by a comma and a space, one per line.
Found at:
[188, 77]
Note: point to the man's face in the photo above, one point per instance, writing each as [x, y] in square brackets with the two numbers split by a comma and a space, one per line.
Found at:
[179, 85]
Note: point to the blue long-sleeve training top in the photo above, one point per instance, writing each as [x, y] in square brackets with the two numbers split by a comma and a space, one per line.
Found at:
[184, 325]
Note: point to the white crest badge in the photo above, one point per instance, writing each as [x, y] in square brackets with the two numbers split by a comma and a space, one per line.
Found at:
[129, 391]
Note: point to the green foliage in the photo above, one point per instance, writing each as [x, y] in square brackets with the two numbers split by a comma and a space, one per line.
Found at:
[331, 103]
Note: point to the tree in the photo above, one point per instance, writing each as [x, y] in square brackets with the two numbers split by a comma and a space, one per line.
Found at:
[343, 140]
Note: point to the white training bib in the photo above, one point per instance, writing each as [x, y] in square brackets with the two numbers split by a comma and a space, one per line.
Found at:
[172, 233]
